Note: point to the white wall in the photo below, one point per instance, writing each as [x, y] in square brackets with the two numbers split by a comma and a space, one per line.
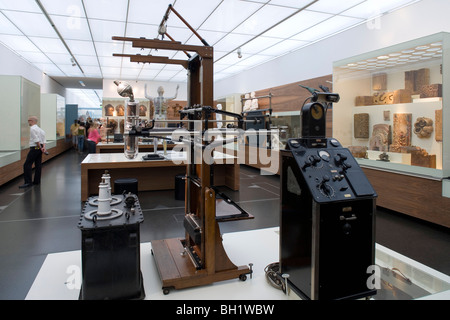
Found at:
[421, 19]
[13, 65]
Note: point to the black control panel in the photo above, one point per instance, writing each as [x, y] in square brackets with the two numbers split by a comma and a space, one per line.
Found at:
[329, 170]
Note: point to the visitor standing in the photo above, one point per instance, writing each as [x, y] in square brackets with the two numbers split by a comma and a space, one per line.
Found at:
[37, 148]
[81, 135]
[74, 131]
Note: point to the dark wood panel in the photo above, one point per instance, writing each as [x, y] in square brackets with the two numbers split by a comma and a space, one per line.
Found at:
[290, 97]
[15, 169]
[417, 197]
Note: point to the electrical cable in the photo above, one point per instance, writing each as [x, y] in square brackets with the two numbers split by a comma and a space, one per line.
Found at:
[273, 276]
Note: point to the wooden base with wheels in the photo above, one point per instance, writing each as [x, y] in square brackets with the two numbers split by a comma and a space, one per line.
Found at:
[179, 263]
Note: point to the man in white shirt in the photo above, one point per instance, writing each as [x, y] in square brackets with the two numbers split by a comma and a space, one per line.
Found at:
[37, 147]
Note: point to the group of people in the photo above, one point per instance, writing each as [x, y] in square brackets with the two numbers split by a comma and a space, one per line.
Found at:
[85, 135]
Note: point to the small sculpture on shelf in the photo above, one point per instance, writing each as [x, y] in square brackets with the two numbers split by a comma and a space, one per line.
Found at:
[247, 103]
[254, 102]
[423, 127]
[383, 157]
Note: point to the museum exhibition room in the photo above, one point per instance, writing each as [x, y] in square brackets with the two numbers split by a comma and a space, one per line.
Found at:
[242, 152]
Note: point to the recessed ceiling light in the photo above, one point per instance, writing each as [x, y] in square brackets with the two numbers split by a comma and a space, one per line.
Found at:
[407, 51]
[383, 57]
[422, 47]
[436, 44]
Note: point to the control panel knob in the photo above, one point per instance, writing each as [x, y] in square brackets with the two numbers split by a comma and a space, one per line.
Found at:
[340, 158]
[306, 164]
[325, 187]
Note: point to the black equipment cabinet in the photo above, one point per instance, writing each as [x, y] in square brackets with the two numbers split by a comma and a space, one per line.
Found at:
[110, 252]
[327, 238]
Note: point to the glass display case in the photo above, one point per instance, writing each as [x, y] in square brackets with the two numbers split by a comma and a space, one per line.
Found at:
[53, 116]
[20, 99]
[286, 125]
[113, 111]
[391, 114]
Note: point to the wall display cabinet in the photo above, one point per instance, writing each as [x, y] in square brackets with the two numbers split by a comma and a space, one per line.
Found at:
[392, 112]
[391, 109]
[20, 100]
[53, 116]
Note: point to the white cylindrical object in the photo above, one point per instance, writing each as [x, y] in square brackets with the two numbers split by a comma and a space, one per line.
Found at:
[107, 179]
[131, 147]
[104, 202]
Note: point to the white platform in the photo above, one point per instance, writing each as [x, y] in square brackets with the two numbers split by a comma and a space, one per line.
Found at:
[60, 275]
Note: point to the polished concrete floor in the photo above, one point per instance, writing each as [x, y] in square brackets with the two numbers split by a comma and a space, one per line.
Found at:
[43, 219]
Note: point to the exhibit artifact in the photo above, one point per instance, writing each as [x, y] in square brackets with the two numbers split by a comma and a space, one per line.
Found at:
[110, 246]
[160, 104]
[199, 258]
[131, 146]
[423, 127]
[327, 238]
[381, 137]
[361, 125]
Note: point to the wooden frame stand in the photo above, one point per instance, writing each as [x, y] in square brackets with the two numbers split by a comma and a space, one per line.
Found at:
[176, 263]
[200, 257]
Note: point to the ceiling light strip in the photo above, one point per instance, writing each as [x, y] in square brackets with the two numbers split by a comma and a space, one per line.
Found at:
[124, 34]
[12, 49]
[260, 34]
[92, 38]
[57, 32]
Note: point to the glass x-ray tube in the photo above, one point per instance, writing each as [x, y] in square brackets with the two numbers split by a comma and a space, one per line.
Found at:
[131, 147]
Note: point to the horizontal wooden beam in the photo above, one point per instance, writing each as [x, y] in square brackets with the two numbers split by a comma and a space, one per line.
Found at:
[203, 51]
[152, 59]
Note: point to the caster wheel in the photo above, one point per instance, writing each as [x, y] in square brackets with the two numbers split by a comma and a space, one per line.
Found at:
[243, 277]
[166, 291]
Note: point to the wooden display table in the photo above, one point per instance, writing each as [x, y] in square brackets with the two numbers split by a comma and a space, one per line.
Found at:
[151, 175]
[117, 147]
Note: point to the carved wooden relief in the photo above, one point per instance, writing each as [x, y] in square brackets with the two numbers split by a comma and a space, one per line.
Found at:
[379, 81]
[381, 136]
[423, 127]
[358, 151]
[109, 110]
[361, 125]
[363, 101]
[420, 157]
[120, 110]
[416, 79]
[438, 119]
[402, 129]
[402, 96]
[431, 91]
[142, 110]
[383, 98]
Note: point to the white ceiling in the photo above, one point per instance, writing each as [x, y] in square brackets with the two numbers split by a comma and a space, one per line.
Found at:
[263, 30]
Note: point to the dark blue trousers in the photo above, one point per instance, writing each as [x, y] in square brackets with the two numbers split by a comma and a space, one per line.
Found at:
[34, 156]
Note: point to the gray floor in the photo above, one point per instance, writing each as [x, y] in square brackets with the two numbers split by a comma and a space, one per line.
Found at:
[43, 220]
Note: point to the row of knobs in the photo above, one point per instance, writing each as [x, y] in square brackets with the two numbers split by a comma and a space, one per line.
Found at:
[340, 161]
